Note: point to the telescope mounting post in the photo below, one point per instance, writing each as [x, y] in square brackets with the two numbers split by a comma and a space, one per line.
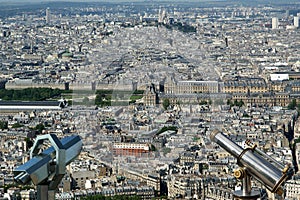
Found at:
[46, 189]
[254, 163]
[43, 192]
[47, 167]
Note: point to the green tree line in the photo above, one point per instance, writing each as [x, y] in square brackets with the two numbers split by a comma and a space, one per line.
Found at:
[117, 197]
[235, 103]
[293, 105]
[29, 94]
[104, 97]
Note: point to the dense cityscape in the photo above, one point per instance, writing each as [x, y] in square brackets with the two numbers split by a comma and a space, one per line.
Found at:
[144, 85]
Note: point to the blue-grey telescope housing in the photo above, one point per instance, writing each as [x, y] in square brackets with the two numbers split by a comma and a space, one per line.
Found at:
[48, 167]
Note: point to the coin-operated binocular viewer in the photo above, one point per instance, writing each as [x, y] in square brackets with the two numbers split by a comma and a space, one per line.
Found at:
[254, 163]
[46, 168]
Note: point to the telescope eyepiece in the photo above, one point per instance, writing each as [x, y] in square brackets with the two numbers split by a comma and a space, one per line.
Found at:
[213, 135]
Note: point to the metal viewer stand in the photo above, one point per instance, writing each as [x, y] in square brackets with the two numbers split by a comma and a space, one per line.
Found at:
[47, 168]
[254, 163]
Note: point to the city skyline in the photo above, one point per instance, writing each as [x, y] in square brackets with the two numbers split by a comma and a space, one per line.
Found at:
[167, 98]
[124, 1]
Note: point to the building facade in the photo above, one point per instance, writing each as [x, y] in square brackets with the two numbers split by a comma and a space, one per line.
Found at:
[246, 85]
[150, 96]
[173, 86]
[130, 149]
[296, 21]
[275, 23]
[48, 16]
[293, 189]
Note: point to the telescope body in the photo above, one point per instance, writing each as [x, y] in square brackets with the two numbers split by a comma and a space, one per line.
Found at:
[271, 174]
[42, 166]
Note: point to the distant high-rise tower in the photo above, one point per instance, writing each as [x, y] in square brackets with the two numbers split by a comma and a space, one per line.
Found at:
[48, 16]
[274, 23]
[296, 21]
[159, 15]
[162, 16]
[287, 14]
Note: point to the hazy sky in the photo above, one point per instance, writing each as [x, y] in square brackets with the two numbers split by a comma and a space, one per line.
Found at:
[35, 1]
[257, 1]
[73, 0]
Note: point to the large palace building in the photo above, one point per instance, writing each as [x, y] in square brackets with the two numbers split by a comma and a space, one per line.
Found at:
[172, 86]
[246, 85]
[252, 91]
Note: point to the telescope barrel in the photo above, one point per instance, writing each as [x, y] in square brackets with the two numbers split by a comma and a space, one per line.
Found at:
[255, 164]
[226, 143]
[266, 156]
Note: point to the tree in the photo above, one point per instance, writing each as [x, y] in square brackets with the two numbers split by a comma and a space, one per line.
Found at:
[298, 106]
[203, 102]
[85, 100]
[99, 99]
[229, 103]
[3, 125]
[167, 128]
[117, 197]
[235, 102]
[246, 115]
[30, 94]
[40, 128]
[297, 140]
[29, 143]
[17, 125]
[166, 103]
[292, 105]
[240, 103]
[153, 148]
[166, 150]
